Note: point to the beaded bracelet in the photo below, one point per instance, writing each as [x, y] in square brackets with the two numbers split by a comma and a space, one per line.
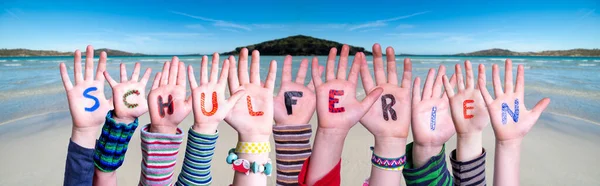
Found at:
[244, 166]
[392, 164]
[253, 147]
[112, 144]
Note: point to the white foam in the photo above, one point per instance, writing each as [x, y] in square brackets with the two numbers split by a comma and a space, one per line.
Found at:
[586, 65]
[13, 65]
[147, 59]
[497, 59]
[597, 61]
[2, 61]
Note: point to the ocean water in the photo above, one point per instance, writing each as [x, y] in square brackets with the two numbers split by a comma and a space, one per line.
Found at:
[31, 86]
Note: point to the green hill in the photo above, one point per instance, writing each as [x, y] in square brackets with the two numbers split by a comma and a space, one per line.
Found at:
[503, 52]
[298, 45]
[19, 52]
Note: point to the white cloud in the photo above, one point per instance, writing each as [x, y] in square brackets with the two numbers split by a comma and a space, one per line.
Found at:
[369, 30]
[404, 26]
[381, 23]
[13, 12]
[230, 30]
[195, 27]
[216, 22]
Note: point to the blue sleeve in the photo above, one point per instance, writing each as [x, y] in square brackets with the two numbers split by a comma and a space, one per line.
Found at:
[79, 168]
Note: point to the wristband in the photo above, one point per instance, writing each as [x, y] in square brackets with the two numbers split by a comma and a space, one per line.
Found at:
[253, 147]
[112, 144]
[392, 164]
[244, 166]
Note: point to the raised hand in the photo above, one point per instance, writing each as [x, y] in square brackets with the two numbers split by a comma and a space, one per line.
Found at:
[510, 119]
[87, 102]
[167, 99]
[295, 104]
[129, 96]
[252, 116]
[469, 113]
[389, 118]
[432, 124]
[208, 100]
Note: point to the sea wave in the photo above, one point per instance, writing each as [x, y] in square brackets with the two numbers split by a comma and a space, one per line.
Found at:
[2, 61]
[597, 61]
[586, 65]
[13, 65]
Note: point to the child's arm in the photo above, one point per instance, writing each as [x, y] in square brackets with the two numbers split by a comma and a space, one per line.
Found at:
[88, 108]
[389, 118]
[432, 126]
[294, 107]
[252, 118]
[338, 111]
[210, 108]
[510, 119]
[161, 139]
[470, 117]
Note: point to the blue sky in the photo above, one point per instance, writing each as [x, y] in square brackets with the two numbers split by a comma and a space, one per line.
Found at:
[183, 27]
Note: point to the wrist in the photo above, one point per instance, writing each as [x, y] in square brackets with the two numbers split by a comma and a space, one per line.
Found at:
[162, 129]
[85, 138]
[253, 138]
[468, 146]
[390, 147]
[122, 118]
[205, 128]
[422, 153]
[509, 144]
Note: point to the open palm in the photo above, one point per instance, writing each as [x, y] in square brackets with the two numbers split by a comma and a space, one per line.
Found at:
[129, 96]
[431, 121]
[167, 99]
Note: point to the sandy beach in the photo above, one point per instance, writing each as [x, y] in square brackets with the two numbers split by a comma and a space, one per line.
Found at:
[557, 151]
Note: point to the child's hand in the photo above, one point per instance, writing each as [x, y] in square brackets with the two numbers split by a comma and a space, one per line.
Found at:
[167, 99]
[87, 103]
[510, 119]
[208, 114]
[337, 106]
[295, 103]
[389, 117]
[129, 96]
[252, 116]
[432, 124]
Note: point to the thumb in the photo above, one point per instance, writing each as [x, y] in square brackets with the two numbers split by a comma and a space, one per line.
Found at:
[370, 99]
[539, 108]
[234, 98]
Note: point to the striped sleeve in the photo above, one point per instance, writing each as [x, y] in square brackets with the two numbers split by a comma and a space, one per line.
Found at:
[198, 155]
[434, 172]
[159, 155]
[292, 147]
[469, 172]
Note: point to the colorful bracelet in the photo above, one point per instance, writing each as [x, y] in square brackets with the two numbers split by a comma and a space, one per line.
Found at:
[253, 147]
[244, 166]
[112, 144]
[392, 164]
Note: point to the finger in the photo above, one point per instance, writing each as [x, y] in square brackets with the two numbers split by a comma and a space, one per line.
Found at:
[243, 67]
[330, 71]
[77, 67]
[214, 68]
[123, 73]
[407, 74]
[136, 72]
[496, 80]
[234, 98]
[203, 70]
[365, 76]
[355, 70]
[157, 80]
[391, 66]
[378, 65]
[470, 81]
[437, 85]
[370, 99]
[316, 76]
[539, 108]
[286, 72]
[165, 73]
[482, 87]
[452, 85]
[146, 76]
[173, 70]
[224, 73]
[232, 78]
[343, 64]
[508, 77]
[181, 74]
[101, 66]
[65, 77]
[270, 81]
[192, 77]
[89, 62]
[110, 80]
[520, 86]
[416, 94]
[428, 87]
[311, 85]
[448, 87]
[301, 75]
[459, 77]
[255, 68]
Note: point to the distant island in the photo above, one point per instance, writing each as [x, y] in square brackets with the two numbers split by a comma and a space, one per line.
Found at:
[19, 52]
[503, 52]
[298, 45]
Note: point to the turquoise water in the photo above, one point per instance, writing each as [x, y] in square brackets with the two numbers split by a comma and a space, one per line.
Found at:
[32, 86]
